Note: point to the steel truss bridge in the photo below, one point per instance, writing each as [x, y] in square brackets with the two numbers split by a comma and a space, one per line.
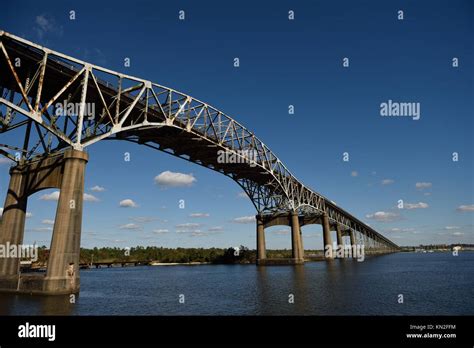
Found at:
[35, 82]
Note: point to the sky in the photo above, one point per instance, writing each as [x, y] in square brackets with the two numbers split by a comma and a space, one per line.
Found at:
[283, 62]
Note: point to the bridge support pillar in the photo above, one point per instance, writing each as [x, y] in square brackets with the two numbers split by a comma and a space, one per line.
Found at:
[353, 243]
[64, 171]
[340, 242]
[261, 249]
[327, 240]
[63, 264]
[296, 242]
[12, 226]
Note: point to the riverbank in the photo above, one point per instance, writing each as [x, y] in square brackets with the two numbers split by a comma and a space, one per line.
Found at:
[179, 263]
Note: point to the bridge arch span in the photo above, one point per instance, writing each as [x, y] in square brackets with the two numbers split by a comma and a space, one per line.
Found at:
[63, 105]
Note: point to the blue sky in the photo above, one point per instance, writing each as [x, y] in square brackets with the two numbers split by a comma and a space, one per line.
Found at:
[282, 62]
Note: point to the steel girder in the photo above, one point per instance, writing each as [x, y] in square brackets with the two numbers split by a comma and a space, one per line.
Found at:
[147, 113]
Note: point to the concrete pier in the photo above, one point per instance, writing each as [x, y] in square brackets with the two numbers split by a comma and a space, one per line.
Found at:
[64, 171]
[327, 240]
[296, 243]
[13, 220]
[340, 242]
[261, 248]
[353, 241]
[63, 262]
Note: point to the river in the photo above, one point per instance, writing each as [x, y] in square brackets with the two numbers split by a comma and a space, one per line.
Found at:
[394, 284]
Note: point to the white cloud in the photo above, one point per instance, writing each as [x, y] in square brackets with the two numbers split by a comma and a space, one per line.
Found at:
[5, 160]
[383, 216]
[199, 234]
[423, 185]
[396, 229]
[188, 225]
[41, 229]
[90, 198]
[216, 229]
[97, 188]
[128, 203]
[1, 211]
[354, 173]
[199, 215]
[143, 219]
[465, 208]
[130, 226]
[53, 196]
[187, 230]
[45, 24]
[387, 181]
[160, 230]
[171, 179]
[457, 234]
[419, 205]
[452, 228]
[244, 220]
[47, 222]
[242, 195]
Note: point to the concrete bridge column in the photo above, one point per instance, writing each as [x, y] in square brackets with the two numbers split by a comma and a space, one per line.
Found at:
[261, 249]
[327, 240]
[301, 244]
[296, 244]
[63, 264]
[12, 226]
[340, 242]
[353, 242]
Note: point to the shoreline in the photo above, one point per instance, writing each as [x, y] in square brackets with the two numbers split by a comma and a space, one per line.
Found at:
[179, 263]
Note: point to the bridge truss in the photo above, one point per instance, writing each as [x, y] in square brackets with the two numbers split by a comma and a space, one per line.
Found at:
[37, 86]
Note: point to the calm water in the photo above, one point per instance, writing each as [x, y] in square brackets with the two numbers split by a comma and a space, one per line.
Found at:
[431, 284]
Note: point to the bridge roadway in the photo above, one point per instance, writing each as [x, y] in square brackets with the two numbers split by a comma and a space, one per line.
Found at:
[35, 79]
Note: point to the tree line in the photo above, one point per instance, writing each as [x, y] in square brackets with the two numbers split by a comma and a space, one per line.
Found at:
[241, 254]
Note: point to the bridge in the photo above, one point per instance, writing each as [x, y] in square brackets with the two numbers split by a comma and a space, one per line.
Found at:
[55, 106]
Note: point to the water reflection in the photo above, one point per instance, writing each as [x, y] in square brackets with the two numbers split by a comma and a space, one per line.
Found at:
[24, 304]
[337, 287]
[301, 290]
